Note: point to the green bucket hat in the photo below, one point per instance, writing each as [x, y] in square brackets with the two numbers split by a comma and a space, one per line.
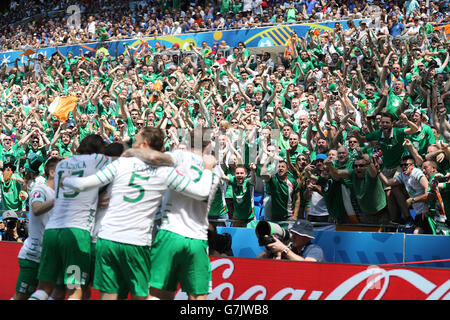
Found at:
[10, 161]
[33, 163]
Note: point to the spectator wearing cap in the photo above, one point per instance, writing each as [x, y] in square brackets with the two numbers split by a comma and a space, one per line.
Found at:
[301, 248]
[8, 226]
[413, 29]
[314, 193]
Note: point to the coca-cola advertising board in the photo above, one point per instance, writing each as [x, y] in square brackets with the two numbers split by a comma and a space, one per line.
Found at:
[255, 279]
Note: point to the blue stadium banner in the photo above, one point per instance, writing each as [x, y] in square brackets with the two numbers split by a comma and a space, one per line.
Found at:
[256, 37]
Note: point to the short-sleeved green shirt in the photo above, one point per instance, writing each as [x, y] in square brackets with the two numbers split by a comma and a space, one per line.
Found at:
[64, 149]
[10, 194]
[392, 146]
[282, 192]
[369, 192]
[332, 194]
[242, 199]
[422, 139]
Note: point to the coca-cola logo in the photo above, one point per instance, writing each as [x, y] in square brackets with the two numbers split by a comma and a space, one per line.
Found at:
[373, 279]
[374, 276]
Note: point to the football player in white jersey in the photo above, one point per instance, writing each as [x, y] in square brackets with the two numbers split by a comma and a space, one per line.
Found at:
[66, 245]
[179, 252]
[125, 236]
[41, 203]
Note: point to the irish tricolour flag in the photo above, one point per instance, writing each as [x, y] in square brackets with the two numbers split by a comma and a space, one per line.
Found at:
[62, 106]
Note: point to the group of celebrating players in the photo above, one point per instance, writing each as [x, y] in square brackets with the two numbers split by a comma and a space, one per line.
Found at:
[130, 223]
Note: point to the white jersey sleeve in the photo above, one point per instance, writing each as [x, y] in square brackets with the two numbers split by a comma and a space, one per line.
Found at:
[99, 179]
[136, 192]
[31, 249]
[198, 190]
[182, 215]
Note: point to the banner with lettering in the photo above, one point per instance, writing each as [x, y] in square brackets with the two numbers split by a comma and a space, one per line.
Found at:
[255, 279]
[255, 37]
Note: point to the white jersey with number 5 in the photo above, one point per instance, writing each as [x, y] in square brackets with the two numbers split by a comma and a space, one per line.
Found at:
[75, 209]
[31, 249]
[136, 193]
[182, 215]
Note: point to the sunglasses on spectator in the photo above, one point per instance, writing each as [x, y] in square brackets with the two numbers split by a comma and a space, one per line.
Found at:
[360, 165]
[406, 164]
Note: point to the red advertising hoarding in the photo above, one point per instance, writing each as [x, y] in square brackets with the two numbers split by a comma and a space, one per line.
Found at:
[253, 279]
[248, 279]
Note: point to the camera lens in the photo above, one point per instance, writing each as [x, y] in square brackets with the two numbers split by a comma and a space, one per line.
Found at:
[11, 223]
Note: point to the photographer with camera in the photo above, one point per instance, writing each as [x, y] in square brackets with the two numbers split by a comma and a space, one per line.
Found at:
[300, 247]
[9, 227]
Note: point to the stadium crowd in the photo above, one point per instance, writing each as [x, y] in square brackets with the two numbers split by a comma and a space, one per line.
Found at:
[50, 23]
[346, 126]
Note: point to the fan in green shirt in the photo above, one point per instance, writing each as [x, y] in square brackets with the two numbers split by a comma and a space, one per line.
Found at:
[331, 191]
[294, 149]
[16, 76]
[225, 6]
[69, 60]
[84, 126]
[7, 148]
[390, 139]
[291, 14]
[305, 62]
[424, 137]
[243, 192]
[368, 188]
[218, 207]
[284, 192]
[11, 186]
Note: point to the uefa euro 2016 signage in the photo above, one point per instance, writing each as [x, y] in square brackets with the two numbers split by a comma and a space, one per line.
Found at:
[277, 35]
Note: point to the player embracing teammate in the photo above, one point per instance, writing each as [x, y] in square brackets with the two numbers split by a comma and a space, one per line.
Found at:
[123, 252]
